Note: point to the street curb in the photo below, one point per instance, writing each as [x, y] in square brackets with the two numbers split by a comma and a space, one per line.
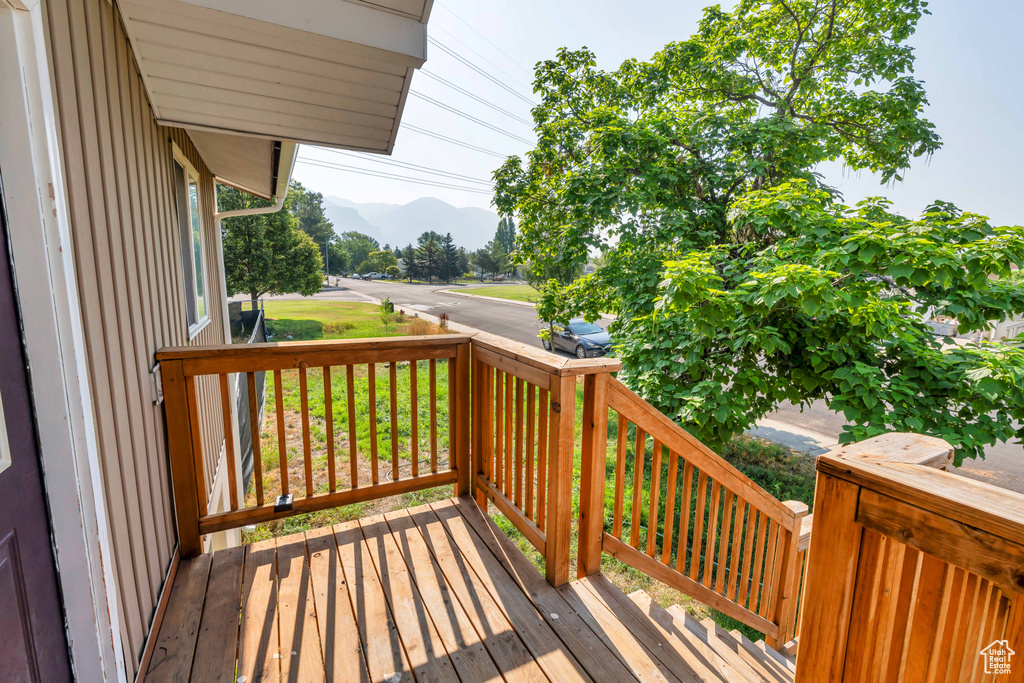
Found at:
[799, 439]
[487, 298]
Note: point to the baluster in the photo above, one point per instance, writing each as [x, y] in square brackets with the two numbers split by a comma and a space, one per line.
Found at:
[229, 440]
[543, 415]
[329, 423]
[451, 413]
[748, 552]
[518, 488]
[723, 545]
[254, 430]
[755, 577]
[709, 549]
[393, 370]
[620, 476]
[769, 570]
[306, 449]
[433, 416]
[414, 439]
[282, 453]
[737, 538]
[670, 508]
[499, 423]
[352, 446]
[371, 379]
[652, 512]
[697, 551]
[684, 518]
[509, 435]
[638, 487]
[531, 401]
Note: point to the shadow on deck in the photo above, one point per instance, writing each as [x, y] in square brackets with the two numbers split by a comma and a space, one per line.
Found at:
[433, 593]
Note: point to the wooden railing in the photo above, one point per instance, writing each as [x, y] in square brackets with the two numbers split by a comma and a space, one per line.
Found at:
[683, 515]
[913, 572]
[338, 368]
[524, 408]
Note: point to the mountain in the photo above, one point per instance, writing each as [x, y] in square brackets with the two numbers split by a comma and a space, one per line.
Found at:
[400, 224]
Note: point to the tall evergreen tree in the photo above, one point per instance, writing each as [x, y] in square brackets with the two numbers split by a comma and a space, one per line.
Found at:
[429, 255]
[412, 267]
[449, 258]
[506, 234]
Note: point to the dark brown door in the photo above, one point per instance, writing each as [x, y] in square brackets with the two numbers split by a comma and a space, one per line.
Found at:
[33, 646]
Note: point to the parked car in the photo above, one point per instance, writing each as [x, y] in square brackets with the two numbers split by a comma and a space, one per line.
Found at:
[373, 275]
[585, 340]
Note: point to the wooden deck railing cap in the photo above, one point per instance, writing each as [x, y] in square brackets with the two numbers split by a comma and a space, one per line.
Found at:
[902, 467]
[544, 360]
[229, 350]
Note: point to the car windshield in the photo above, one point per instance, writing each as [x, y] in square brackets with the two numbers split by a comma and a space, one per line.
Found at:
[584, 328]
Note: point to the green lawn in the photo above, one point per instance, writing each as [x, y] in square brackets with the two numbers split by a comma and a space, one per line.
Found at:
[511, 292]
[312, 320]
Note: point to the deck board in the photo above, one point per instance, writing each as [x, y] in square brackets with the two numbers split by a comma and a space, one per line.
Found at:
[433, 593]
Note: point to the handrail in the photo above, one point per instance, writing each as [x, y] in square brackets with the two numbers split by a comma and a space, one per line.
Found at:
[917, 567]
[191, 376]
[726, 541]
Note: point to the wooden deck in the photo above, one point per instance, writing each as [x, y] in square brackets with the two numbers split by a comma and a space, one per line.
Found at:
[434, 593]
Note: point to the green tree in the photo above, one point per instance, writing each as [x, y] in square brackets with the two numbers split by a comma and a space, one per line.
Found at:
[449, 258]
[491, 259]
[358, 246]
[381, 260]
[738, 279]
[267, 253]
[463, 261]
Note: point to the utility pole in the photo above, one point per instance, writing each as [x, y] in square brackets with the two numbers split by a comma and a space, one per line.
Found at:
[327, 251]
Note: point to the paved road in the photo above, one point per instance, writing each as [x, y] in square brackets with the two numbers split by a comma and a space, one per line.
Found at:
[813, 430]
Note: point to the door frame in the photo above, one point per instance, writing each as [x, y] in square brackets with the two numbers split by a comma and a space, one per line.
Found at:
[44, 274]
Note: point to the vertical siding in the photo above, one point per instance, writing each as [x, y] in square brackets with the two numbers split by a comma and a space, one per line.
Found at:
[117, 164]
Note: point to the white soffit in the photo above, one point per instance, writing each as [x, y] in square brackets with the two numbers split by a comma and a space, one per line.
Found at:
[326, 72]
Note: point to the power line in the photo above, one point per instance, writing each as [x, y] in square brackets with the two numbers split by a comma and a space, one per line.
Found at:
[481, 122]
[474, 96]
[463, 44]
[480, 71]
[409, 166]
[460, 143]
[488, 40]
[389, 176]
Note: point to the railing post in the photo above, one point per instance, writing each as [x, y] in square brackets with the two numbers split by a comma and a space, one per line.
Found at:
[789, 578]
[592, 473]
[180, 444]
[560, 457]
[831, 579]
[462, 417]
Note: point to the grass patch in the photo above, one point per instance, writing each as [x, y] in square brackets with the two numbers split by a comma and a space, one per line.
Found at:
[511, 292]
[314, 320]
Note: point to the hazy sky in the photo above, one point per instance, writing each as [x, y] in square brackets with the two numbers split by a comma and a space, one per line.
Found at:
[969, 54]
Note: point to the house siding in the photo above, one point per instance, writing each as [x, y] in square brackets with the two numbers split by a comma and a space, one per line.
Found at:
[117, 165]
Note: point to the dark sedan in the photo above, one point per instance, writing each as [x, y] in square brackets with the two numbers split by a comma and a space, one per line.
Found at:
[585, 340]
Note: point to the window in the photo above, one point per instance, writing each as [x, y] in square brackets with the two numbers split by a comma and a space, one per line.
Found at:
[192, 243]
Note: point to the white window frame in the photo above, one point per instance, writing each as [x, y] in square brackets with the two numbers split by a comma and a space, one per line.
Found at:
[191, 173]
